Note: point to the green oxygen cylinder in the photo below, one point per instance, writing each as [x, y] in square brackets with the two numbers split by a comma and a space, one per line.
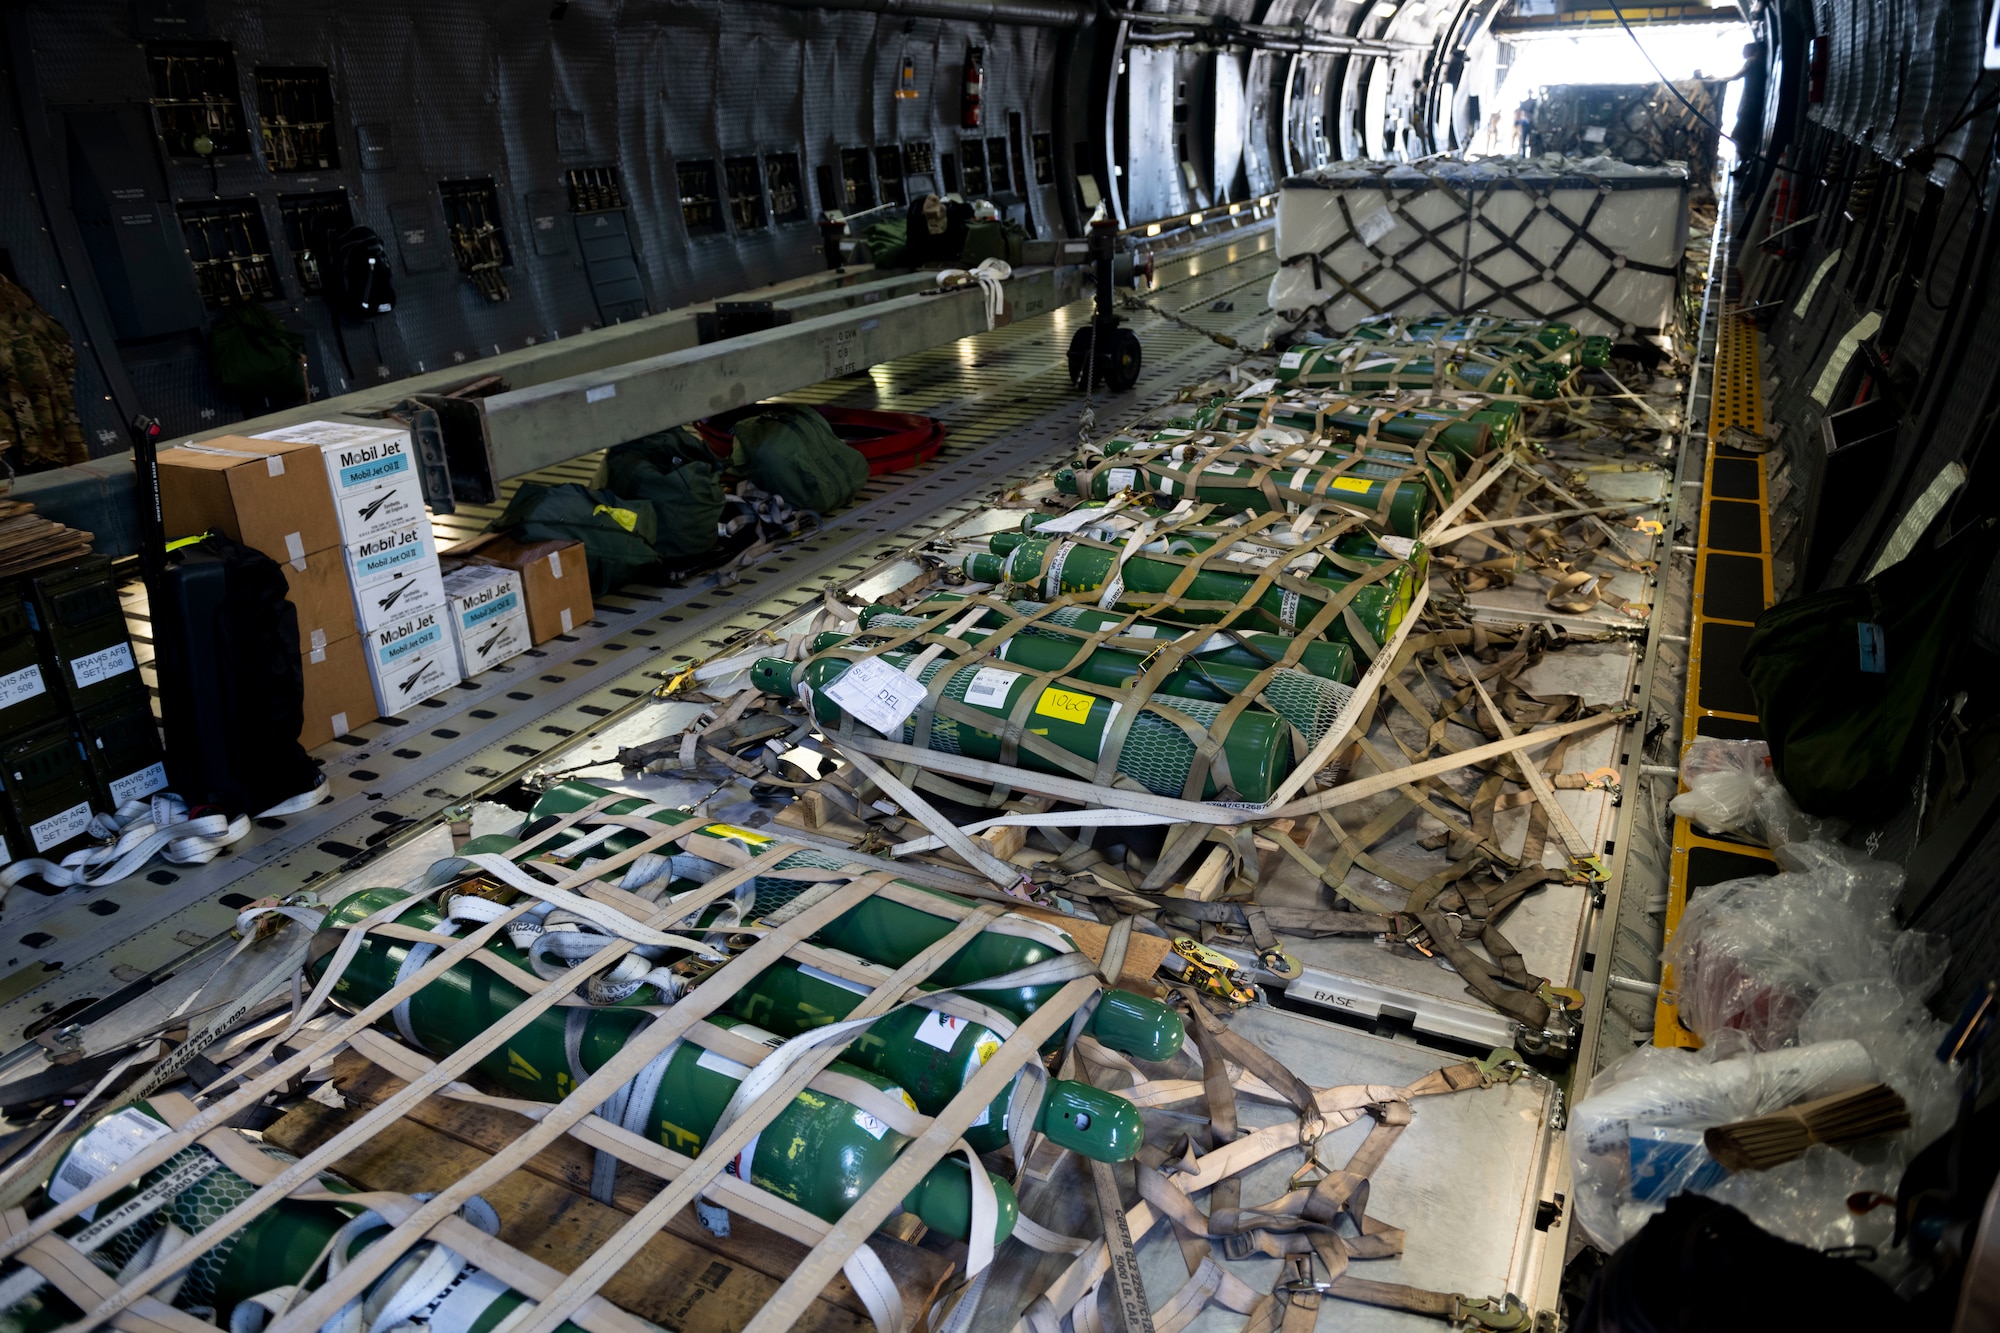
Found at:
[1076, 568]
[1360, 543]
[1380, 461]
[1157, 752]
[932, 1054]
[1467, 434]
[1234, 485]
[1382, 368]
[1309, 703]
[276, 1247]
[821, 1153]
[1322, 657]
[1529, 337]
[881, 929]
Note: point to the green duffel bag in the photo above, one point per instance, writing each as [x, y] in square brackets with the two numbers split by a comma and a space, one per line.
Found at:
[257, 359]
[1849, 682]
[887, 242]
[792, 451]
[617, 533]
[676, 473]
[993, 240]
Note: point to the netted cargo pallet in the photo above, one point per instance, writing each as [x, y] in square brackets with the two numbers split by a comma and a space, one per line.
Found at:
[574, 927]
[1593, 242]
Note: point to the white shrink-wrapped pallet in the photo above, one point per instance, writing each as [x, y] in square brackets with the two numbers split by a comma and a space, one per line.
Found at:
[1592, 242]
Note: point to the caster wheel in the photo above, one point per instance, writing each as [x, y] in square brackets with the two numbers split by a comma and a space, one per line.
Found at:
[1118, 359]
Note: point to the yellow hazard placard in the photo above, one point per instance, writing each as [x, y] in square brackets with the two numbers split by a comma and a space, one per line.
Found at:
[731, 831]
[1349, 484]
[1064, 705]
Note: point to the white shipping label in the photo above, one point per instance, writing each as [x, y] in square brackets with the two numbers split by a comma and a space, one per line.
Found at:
[1400, 547]
[1593, 134]
[20, 686]
[568, 622]
[145, 782]
[110, 1143]
[58, 829]
[1259, 389]
[875, 1128]
[599, 393]
[1120, 479]
[722, 1064]
[1372, 227]
[989, 687]
[1291, 360]
[940, 1030]
[555, 563]
[985, 1115]
[876, 694]
[103, 664]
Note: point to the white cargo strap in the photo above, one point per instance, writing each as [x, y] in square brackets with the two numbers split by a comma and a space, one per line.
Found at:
[426, 1293]
[1108, 818]
[158, 825]
[608, 919]
[413, 962]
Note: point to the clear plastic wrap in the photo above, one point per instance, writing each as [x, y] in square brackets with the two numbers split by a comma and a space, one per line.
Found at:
[1730, 789]
[1800, 985]
[1726, 782]
[1635, 1140]
[1754, 955]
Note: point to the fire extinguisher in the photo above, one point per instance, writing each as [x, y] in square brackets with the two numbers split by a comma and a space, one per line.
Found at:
[975, 84]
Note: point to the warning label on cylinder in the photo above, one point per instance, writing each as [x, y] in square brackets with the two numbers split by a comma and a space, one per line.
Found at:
[1064, 705]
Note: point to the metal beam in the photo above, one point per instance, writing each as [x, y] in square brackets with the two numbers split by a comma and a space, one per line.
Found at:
[543, 424]
[1027, 13]
[1577, 20]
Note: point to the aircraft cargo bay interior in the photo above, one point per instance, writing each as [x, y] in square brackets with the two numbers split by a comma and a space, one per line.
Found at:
[998, 666]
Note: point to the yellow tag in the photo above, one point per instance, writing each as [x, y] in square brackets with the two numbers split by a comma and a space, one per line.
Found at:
[1064, 705]
[1349, 484]
[731, 831]
[986, 1050]
[624, 518]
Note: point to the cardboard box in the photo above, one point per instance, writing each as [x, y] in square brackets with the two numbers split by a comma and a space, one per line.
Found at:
[270, 495]
[384, 601]
[481, 593]
[317, 584]
[339, 694]
[485, 646]
[358, 456]
[367, 514]
[395, 554]
[411, 659]
[555, 580]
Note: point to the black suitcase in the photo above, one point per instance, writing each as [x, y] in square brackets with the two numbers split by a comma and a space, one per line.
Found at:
[226, 642]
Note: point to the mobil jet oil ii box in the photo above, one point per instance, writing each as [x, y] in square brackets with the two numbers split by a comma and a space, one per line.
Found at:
[489, 619]
[411, 659]
[359, 457]
[395, 574]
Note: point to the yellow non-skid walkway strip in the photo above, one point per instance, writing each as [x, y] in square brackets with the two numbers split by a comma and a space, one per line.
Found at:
[1737, 400]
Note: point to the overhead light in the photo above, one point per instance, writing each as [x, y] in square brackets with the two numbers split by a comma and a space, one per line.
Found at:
[1153, 229]
[1194, 219]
